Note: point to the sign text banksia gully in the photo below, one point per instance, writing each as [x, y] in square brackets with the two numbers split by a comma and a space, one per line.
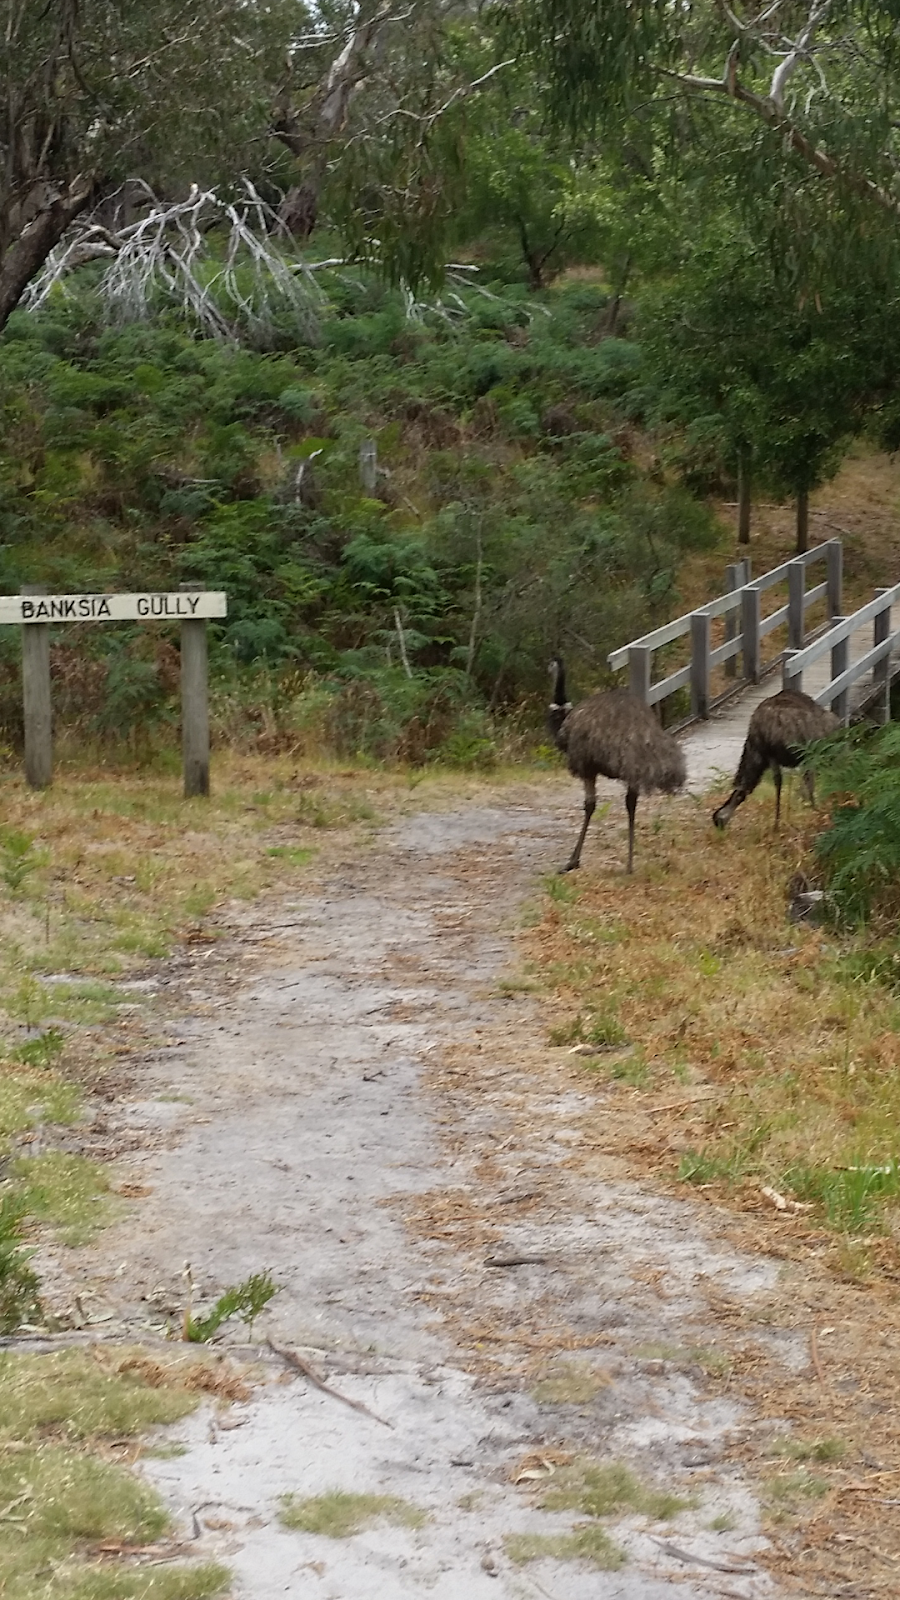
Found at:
[172, 607]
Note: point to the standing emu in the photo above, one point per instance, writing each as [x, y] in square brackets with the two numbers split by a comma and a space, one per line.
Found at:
[779, 729]
[613, 735]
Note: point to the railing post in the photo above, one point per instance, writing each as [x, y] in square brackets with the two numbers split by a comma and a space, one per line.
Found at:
[881, 672]
[734, 579]
[790, 679]
[796, 604]
[840, 660]
[700, 632]
[835, 559]
[639, 660]
[751, 608]
[36, 700]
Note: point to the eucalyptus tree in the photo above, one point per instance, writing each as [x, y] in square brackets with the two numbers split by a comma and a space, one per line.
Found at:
[95, 92]
[765, 377]
[818, 80]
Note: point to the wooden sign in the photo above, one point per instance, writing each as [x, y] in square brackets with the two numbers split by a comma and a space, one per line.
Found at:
[35, 611]
[174, 607]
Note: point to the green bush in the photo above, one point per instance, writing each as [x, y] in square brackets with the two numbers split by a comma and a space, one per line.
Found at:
[860, 849]
[18, 1284]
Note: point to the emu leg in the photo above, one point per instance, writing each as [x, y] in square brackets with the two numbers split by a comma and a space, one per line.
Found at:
[590, 806]
[809, 786]
[631, 800]
[776, 775]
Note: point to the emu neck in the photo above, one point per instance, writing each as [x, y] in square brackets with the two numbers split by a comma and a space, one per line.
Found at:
[559, 686]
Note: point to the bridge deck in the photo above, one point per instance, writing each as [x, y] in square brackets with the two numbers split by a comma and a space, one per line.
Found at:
[713, 748]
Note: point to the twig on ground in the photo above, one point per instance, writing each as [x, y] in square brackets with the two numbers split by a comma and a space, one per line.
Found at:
[816, 1358]
[299, 1365]
[678, 1554]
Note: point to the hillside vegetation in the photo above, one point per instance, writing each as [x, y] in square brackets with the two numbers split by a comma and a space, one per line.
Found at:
[513, 511]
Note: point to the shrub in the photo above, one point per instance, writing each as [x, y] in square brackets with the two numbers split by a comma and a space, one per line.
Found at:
[860, 849]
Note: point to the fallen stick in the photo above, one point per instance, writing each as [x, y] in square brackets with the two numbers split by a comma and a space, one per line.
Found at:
[511, 1259]
[700, 1561]
[814, 1352]
[303, 1367]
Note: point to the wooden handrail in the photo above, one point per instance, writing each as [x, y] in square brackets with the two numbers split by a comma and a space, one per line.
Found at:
[745, 598]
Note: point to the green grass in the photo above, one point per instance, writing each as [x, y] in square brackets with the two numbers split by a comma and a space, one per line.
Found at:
[715, 1362]
[73, 1395]
[339, 1514]
[823, 1450]
[570, 1383]
[601, 1029]
[588, 1542]
[295, 856]
[786, 1493]
[27, 1100]
[67, 1192]
[60, 1500]
[604, 1489]
[853, 1198]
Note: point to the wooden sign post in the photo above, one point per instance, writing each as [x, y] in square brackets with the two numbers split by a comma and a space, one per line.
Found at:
[35, 610]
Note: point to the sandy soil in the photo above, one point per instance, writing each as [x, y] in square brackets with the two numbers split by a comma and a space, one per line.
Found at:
[351, 1096]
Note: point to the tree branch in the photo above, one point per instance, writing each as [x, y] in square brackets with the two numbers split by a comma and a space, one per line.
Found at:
[774, 116]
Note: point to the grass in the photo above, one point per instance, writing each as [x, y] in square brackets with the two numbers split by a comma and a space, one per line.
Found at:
[570, 1383]
[786, 1494]
[67, 1511]
[339, 1514]
[715, 1362]
[772, 1049]
[588, 1543]
[602, 1489]
[67, 1192]
[77, 1395]
[823, 1450]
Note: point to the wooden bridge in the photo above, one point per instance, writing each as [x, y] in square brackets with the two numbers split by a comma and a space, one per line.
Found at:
[719, 661]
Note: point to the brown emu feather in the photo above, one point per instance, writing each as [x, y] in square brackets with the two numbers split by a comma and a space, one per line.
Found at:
[613, 735]
[780, 729]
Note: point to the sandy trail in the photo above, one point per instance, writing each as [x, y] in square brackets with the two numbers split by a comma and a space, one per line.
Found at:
[351, 1099]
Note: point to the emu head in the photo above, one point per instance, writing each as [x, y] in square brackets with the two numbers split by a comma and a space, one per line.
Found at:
[726, 811]
[557, 671]
[560, 707]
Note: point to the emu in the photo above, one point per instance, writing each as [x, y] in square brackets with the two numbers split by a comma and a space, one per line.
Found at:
[613, 735]
[779, 730]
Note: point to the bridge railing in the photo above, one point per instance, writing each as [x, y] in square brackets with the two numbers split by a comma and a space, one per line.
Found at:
[745, 628]
[845, 673]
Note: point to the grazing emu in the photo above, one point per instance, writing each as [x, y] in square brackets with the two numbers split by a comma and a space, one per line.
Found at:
[613, 735]
[779, 729]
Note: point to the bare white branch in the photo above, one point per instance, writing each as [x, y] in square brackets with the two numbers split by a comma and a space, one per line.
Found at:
[799, 51]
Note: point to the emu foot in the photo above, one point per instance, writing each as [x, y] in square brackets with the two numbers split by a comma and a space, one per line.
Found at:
[570, 866]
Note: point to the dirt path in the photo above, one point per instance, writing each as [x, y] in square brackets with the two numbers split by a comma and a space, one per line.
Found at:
[353, 1099]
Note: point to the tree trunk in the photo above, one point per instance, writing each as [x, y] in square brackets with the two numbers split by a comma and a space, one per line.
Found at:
[802, 522]
[299, 209]
[28, 252]
[615, 304]
[745, 498]
[308, 133]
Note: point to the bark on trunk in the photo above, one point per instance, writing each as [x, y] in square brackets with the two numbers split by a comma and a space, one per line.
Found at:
[745, 499]
[299, 209]
[615, 304]
[802, 522]
[27, 253]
